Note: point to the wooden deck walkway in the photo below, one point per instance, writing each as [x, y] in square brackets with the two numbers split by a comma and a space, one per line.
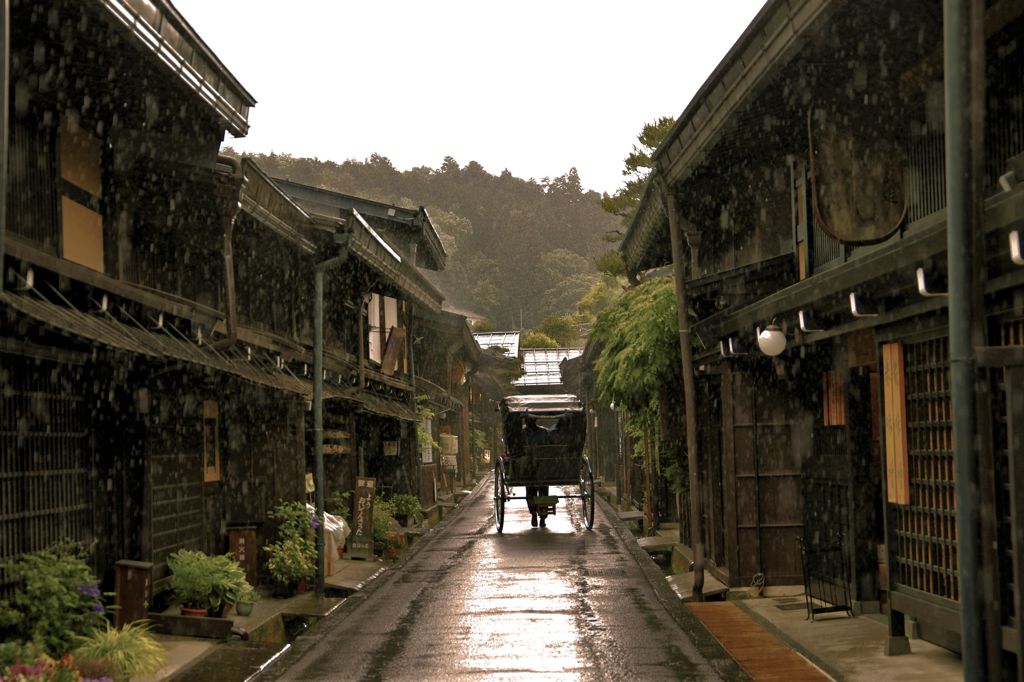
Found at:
[760, 653]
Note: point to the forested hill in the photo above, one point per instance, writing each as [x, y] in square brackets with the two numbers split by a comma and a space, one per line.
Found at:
[512, 244]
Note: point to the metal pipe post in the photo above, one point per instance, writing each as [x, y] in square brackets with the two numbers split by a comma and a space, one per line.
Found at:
[961, 214]
[5, 87]
[689, 394]
[318, 423]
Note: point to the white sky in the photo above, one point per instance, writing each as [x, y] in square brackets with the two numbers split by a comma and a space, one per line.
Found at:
[535, 87]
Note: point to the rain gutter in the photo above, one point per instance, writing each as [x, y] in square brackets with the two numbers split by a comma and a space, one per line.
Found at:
[963, 49]
[228, 221]
[689, 391]
[341, 240]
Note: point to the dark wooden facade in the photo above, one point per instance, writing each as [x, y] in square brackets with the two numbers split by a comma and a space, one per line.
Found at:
[156, 317]
[810, 185]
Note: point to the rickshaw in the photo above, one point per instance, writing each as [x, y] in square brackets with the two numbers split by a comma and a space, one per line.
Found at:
[544, 439]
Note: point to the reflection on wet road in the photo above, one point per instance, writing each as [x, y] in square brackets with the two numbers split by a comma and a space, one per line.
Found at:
[548, 603]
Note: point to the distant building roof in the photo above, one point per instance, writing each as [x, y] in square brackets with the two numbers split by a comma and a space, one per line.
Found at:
[541, 365]
[507, 340]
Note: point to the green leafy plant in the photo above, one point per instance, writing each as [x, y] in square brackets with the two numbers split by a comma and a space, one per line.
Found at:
[384, 523]
[206, 582]
[56, 597]
[424, 438]
[292, 556]
[126, 652]
[249, 596]
[406, 506]
[339, 504]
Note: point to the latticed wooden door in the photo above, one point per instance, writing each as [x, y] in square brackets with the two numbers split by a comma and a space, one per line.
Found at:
[44, 463]
[919, 466]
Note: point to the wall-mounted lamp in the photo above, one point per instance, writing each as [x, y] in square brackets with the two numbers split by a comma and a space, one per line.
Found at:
[771, 340]
[855, 310]
[922, 286]
[1015, 249]
[805, 325]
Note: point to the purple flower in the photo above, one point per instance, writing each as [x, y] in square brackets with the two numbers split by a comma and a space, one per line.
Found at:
[88, 590]
[98, 608]
[314, 521]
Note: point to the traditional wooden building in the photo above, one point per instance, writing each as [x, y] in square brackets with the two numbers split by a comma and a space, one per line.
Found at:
[156, 314]
[806, 184]
[378, 296]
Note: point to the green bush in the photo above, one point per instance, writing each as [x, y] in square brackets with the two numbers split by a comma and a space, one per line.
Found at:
[407, 506]
[56, 598]
[384, 523]
[339, 504]
[206, 582]
[127, 652]
[292, 556]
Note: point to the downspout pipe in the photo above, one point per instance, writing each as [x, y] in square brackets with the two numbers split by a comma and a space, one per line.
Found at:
[228, 217]
[318, 400]
[962, 223]
[5, 88]
[689, 389]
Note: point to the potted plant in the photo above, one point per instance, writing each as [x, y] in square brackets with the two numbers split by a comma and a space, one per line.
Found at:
[205, 585]
[246, 600]
[292, 556]
[406, 508]
[120, 653]
[384, 526]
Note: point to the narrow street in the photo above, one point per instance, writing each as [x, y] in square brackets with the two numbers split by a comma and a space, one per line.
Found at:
[558, 602]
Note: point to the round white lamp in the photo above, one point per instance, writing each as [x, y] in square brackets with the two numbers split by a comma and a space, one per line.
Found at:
[771, 340]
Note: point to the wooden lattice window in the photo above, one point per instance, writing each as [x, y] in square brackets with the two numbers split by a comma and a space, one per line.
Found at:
[44, 459]
[925, 528]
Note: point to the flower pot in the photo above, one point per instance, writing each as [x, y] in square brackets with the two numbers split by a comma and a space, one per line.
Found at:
[192, 612]
[243, 608]
[301, 587]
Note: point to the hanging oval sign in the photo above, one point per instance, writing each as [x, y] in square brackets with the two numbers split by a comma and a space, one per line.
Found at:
[858, 185]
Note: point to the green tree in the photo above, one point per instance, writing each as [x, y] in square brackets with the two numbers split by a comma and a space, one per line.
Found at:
[639, 336]
[601, 296]
[536, 339]
[482, 326]
[638, 166]
[611, 264]
[563, 329]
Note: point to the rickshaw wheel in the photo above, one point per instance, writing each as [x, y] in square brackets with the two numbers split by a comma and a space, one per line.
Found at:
[587, 491]
[499, 494]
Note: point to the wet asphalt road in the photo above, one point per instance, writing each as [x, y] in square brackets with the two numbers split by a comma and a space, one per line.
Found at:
[551, 603]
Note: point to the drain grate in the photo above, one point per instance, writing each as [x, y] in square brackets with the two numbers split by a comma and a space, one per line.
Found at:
[790, 607]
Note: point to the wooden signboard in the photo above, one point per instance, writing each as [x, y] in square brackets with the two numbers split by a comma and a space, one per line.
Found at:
[896, 452]
[361, 544]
